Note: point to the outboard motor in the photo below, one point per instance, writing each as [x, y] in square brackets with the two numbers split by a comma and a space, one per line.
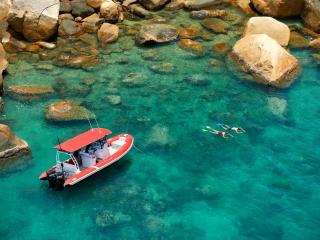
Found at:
[55, 179]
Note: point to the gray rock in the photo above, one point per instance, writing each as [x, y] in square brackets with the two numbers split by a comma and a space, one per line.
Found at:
[159, 33]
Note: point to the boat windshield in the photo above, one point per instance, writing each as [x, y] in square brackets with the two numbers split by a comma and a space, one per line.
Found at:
[62, 156]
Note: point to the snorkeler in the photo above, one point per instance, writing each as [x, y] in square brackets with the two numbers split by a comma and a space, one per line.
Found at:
[213, 131]
[227, 127]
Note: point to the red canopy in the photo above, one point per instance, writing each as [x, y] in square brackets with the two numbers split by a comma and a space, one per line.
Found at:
[83, 139]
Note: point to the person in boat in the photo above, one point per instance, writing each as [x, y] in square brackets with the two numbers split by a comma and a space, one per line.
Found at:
[216, 132]
[235, 129]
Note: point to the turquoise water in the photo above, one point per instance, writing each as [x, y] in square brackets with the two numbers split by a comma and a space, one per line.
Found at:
[178, 183]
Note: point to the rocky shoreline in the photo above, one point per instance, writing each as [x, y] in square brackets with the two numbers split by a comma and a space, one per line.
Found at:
[76, 33]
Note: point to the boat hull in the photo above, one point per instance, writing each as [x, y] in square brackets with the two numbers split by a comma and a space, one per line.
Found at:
[123, 150]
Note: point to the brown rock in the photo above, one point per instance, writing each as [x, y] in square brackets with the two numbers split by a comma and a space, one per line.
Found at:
[110, 11]
[193, 46]
[175, 5]
[94, 3]
[191, 32]
[202, 14]
[216, 25]
[92, 23]
[85, 62]
[279, 8]
[153, 4]
[35, 20]
[315, 43]
[81, 9]
[108, 33]
[29, 92]
[139, 10]
[221, 48]
[11, 146]
[311, 14]
[67, 110]
[200, 4]
[266, 61]
[298, 41]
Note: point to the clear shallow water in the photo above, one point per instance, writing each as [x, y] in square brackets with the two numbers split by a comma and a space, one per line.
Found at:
[260, 185]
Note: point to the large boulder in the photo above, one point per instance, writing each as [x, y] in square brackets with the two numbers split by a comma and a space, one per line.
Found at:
[34, 19]
[311, 14]
[270, 26]
[110, 11]
[153, 4]
[157, 32]
[108, 33]
[67, 110]
[279, 8]
[92, 23]
[11, 146]
[199, 4]
[4, 11]
[263, 58]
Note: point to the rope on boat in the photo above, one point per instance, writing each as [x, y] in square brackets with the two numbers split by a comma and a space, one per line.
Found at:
[137, 148]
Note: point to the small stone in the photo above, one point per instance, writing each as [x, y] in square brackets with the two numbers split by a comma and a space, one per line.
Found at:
[46, 45]
[202, 14]
[134, 80]
[315, 43]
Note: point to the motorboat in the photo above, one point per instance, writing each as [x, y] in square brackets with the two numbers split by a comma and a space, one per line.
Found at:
[85, 155]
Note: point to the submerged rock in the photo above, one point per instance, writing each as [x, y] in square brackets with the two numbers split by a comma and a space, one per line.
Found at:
[263, 58]
[139, 10]
[134, 80]
[152, 55]
[108, 218]
[11, 146]
[279, 8]
[29, 92]
[67, 110]
[216, 25]
[114, 99]
[193, 46]
[197, 80]
[311, 14]
[157, 32]
[35, 20]
[108, 33]
[270, 26]
[277, 106]
[162, 68]
[159, 137]
[191, 32]
[221, 47]
[298, 41]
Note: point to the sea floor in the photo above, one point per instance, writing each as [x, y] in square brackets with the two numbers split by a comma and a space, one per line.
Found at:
[177, 182]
